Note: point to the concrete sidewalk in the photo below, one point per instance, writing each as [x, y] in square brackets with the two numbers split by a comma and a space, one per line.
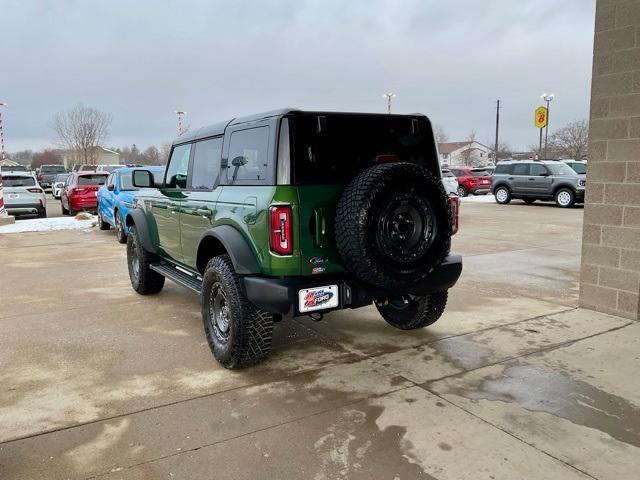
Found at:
[513, 382]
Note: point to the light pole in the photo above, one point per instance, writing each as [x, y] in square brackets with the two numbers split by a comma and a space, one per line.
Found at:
[547, 98]
[2, 104]
[180, 115]
[389, 96]
[495, 151]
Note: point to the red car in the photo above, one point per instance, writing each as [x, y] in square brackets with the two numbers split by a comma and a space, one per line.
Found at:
[474, 181]
[80, 192]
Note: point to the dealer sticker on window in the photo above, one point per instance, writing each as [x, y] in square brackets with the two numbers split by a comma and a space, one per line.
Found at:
[318, 298]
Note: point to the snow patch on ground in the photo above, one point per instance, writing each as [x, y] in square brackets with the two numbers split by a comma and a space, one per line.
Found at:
[479, 199]
[50, 224]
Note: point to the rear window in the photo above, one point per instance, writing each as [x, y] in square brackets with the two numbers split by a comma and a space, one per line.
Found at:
[91, 179]
[479, 173]
[52, 169]
[61, 177]
[333, 148]
[19, 181]
[580, 168]
[561, 169]
[13, 168]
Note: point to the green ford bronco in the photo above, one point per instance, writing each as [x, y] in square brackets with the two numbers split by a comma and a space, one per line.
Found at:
[297, 213]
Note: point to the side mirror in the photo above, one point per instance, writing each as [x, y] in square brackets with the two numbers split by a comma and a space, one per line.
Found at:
[239, 161]
[142, 179]
[111, 187]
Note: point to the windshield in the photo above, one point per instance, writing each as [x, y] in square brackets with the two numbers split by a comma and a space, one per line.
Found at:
[561, 169]
[91, 179]
[52, 169]
[333, 148]
[580, 168]
[19, 181]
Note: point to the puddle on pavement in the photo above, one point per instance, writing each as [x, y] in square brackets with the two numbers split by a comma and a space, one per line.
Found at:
[463, 352]
[539, 390]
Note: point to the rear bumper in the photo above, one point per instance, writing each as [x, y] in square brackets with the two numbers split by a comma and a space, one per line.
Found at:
[280, 295]
[24, 208]
[84, 203]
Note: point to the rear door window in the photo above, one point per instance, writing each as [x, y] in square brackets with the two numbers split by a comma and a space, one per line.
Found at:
[206, 164]
[520, 169]
[537, 170]
[248, 155]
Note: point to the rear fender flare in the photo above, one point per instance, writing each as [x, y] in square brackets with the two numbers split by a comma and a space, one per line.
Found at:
[242, 256]
[137, 217]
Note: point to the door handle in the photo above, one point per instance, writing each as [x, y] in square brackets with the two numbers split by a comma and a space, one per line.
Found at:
[510, 178]
[531, 179]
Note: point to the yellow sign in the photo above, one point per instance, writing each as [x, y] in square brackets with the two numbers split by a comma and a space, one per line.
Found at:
[541, 117]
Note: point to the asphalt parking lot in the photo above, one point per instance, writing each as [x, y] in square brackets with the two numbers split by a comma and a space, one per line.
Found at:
[514, 382]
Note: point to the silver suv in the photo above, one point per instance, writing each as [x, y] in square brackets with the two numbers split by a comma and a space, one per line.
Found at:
[537, 180]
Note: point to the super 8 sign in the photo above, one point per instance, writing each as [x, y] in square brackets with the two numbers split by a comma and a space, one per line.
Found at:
[541, 117]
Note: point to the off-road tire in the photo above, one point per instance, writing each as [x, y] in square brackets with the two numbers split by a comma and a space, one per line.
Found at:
[420, 312]
[247, 340]
[144, 281]
[364, 229]
[504, 197]
[566, 192]
[121, 235]
[102, 225]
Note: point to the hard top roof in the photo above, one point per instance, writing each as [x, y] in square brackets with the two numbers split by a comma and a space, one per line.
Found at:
[219, 128]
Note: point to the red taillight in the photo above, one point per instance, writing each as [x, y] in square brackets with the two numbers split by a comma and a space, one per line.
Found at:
[77, 190]
[280, 236]
[454, 208]
[35, 190]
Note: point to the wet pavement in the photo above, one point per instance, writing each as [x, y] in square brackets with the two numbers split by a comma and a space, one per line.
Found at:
[513, 382]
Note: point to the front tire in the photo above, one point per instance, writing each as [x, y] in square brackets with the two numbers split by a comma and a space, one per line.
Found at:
[503, 195]
[565, 198]
[409, 312]
[239, 333]
[143, 280]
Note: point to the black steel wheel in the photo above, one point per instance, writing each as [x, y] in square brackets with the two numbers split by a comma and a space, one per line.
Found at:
[409, 312]
[239, 334]
[144, 280]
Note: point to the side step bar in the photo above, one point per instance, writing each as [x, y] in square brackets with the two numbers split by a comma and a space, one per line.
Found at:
[179, 275]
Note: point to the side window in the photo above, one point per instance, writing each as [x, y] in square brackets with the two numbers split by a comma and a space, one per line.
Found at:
[110, 180]
[537, 170]
[503, 169]
[178, 167]
[248, 152]
[520, 169]
[457, 173]
[206, 164]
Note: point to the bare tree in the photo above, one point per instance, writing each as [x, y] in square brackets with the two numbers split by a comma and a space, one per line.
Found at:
[151, 156]
[81, 130]
[440, 134]
[46, 157]
[467, 155]
[570, 141]
[504, 150]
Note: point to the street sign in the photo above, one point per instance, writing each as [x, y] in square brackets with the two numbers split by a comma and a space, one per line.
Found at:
[541, 118]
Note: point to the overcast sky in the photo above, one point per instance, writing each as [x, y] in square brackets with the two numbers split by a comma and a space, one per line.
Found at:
[143, 59]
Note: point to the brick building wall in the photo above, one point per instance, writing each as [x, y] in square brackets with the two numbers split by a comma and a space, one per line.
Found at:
[610, 276]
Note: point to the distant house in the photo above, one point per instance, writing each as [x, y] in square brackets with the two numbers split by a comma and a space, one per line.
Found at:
[467, 153]
[99, 156]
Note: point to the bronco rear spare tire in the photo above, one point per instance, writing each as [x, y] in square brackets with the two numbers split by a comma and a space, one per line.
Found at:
[392, 225]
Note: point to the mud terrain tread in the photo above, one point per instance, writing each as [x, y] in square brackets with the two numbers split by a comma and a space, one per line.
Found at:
[148, 281]
[254, 327]
[351, 222]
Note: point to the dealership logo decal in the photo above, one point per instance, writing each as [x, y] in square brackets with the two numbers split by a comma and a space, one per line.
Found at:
[317, 297]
